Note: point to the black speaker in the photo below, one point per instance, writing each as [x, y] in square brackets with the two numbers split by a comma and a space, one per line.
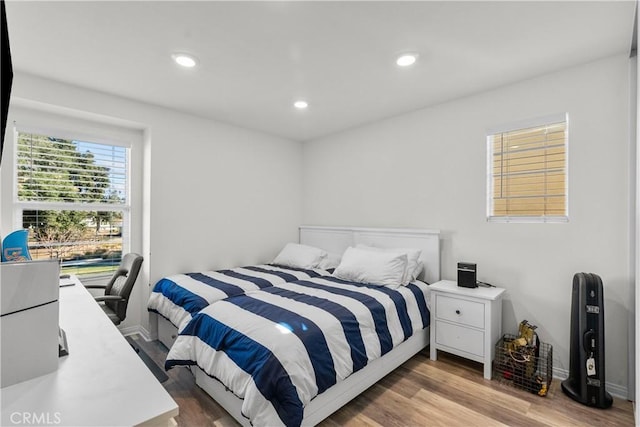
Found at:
[586, 383]
[467, 275]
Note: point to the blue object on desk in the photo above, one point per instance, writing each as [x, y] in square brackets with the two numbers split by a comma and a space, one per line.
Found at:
[15, 247]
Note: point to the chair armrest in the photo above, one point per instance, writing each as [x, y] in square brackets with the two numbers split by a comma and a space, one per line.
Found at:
[109, 298]
[95, 286]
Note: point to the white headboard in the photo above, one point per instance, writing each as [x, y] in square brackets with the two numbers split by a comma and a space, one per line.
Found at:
[337, 239]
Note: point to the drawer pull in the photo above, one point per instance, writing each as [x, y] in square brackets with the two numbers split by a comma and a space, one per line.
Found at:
[457, 311]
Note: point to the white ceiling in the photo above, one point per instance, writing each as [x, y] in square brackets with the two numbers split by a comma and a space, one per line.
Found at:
[256, 58]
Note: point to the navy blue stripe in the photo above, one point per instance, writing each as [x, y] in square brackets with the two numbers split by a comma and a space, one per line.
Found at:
[377, 310]
[180, 296]
[396, 297]
[308, 332]
[258, 281]
[311, 273]
[225, 287]
[348, 320]
[422, 304]
[287, 277]
[258, 361]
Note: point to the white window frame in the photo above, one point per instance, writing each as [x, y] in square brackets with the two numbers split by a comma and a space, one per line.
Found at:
[525, 124]
[72, 128]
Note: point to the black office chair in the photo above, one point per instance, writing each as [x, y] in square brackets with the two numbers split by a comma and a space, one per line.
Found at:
[117, 291]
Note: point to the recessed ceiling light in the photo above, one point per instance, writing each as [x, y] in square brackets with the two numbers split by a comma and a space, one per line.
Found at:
[184, 60]
[300, 105]
[406, 59]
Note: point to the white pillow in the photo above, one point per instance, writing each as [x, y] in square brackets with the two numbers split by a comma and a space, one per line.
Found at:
[330, 261]
[376, 268]
[414, 264]
[418, 270]
[301, 256]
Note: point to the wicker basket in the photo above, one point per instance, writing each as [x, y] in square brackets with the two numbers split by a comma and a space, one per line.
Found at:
[529, 368]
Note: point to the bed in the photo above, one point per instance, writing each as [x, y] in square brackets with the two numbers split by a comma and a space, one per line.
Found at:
[324, 339]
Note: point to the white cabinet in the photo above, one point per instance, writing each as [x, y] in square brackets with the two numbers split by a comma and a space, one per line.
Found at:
[466, 321]
[28, 319]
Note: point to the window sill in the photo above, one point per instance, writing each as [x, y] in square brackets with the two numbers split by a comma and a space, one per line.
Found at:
[529, 219]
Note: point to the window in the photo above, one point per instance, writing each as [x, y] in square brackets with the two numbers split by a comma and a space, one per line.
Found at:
[527, 172]
[73, 197]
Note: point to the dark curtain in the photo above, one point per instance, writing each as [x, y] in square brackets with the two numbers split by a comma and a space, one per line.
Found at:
[7, 75]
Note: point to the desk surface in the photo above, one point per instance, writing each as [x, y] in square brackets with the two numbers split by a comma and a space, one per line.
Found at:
[102, 382]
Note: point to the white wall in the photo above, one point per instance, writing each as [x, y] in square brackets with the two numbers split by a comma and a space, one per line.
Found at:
[427, 169]
[215, 195]
[636, 293]
[633, 221]
[633, 218]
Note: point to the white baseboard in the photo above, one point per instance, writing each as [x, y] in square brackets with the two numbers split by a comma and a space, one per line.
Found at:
[614, 389]
[137, 329]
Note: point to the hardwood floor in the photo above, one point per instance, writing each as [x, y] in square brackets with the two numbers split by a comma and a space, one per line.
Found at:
[448, 392]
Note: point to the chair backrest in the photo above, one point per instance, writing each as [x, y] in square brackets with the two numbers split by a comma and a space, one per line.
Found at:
[122, 282]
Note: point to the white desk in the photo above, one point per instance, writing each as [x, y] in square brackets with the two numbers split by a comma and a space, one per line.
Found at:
[102, 382]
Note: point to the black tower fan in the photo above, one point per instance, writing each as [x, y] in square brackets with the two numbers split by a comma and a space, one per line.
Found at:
[586, 382]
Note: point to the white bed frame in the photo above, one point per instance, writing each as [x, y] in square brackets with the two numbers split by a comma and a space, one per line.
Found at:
[336, 240]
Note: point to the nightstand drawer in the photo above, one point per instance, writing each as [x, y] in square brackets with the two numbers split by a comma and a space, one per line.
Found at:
[460, 338]
[460, 311]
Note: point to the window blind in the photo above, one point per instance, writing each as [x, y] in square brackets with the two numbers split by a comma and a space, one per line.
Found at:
[528, 173]
[52, 169]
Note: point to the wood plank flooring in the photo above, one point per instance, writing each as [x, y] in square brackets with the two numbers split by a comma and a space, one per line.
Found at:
[449, 392]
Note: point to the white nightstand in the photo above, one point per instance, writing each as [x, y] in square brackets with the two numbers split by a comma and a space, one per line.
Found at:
[465, 321]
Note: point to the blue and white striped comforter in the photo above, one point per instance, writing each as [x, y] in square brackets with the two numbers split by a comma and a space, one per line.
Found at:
[280, 347]
[179, 297]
